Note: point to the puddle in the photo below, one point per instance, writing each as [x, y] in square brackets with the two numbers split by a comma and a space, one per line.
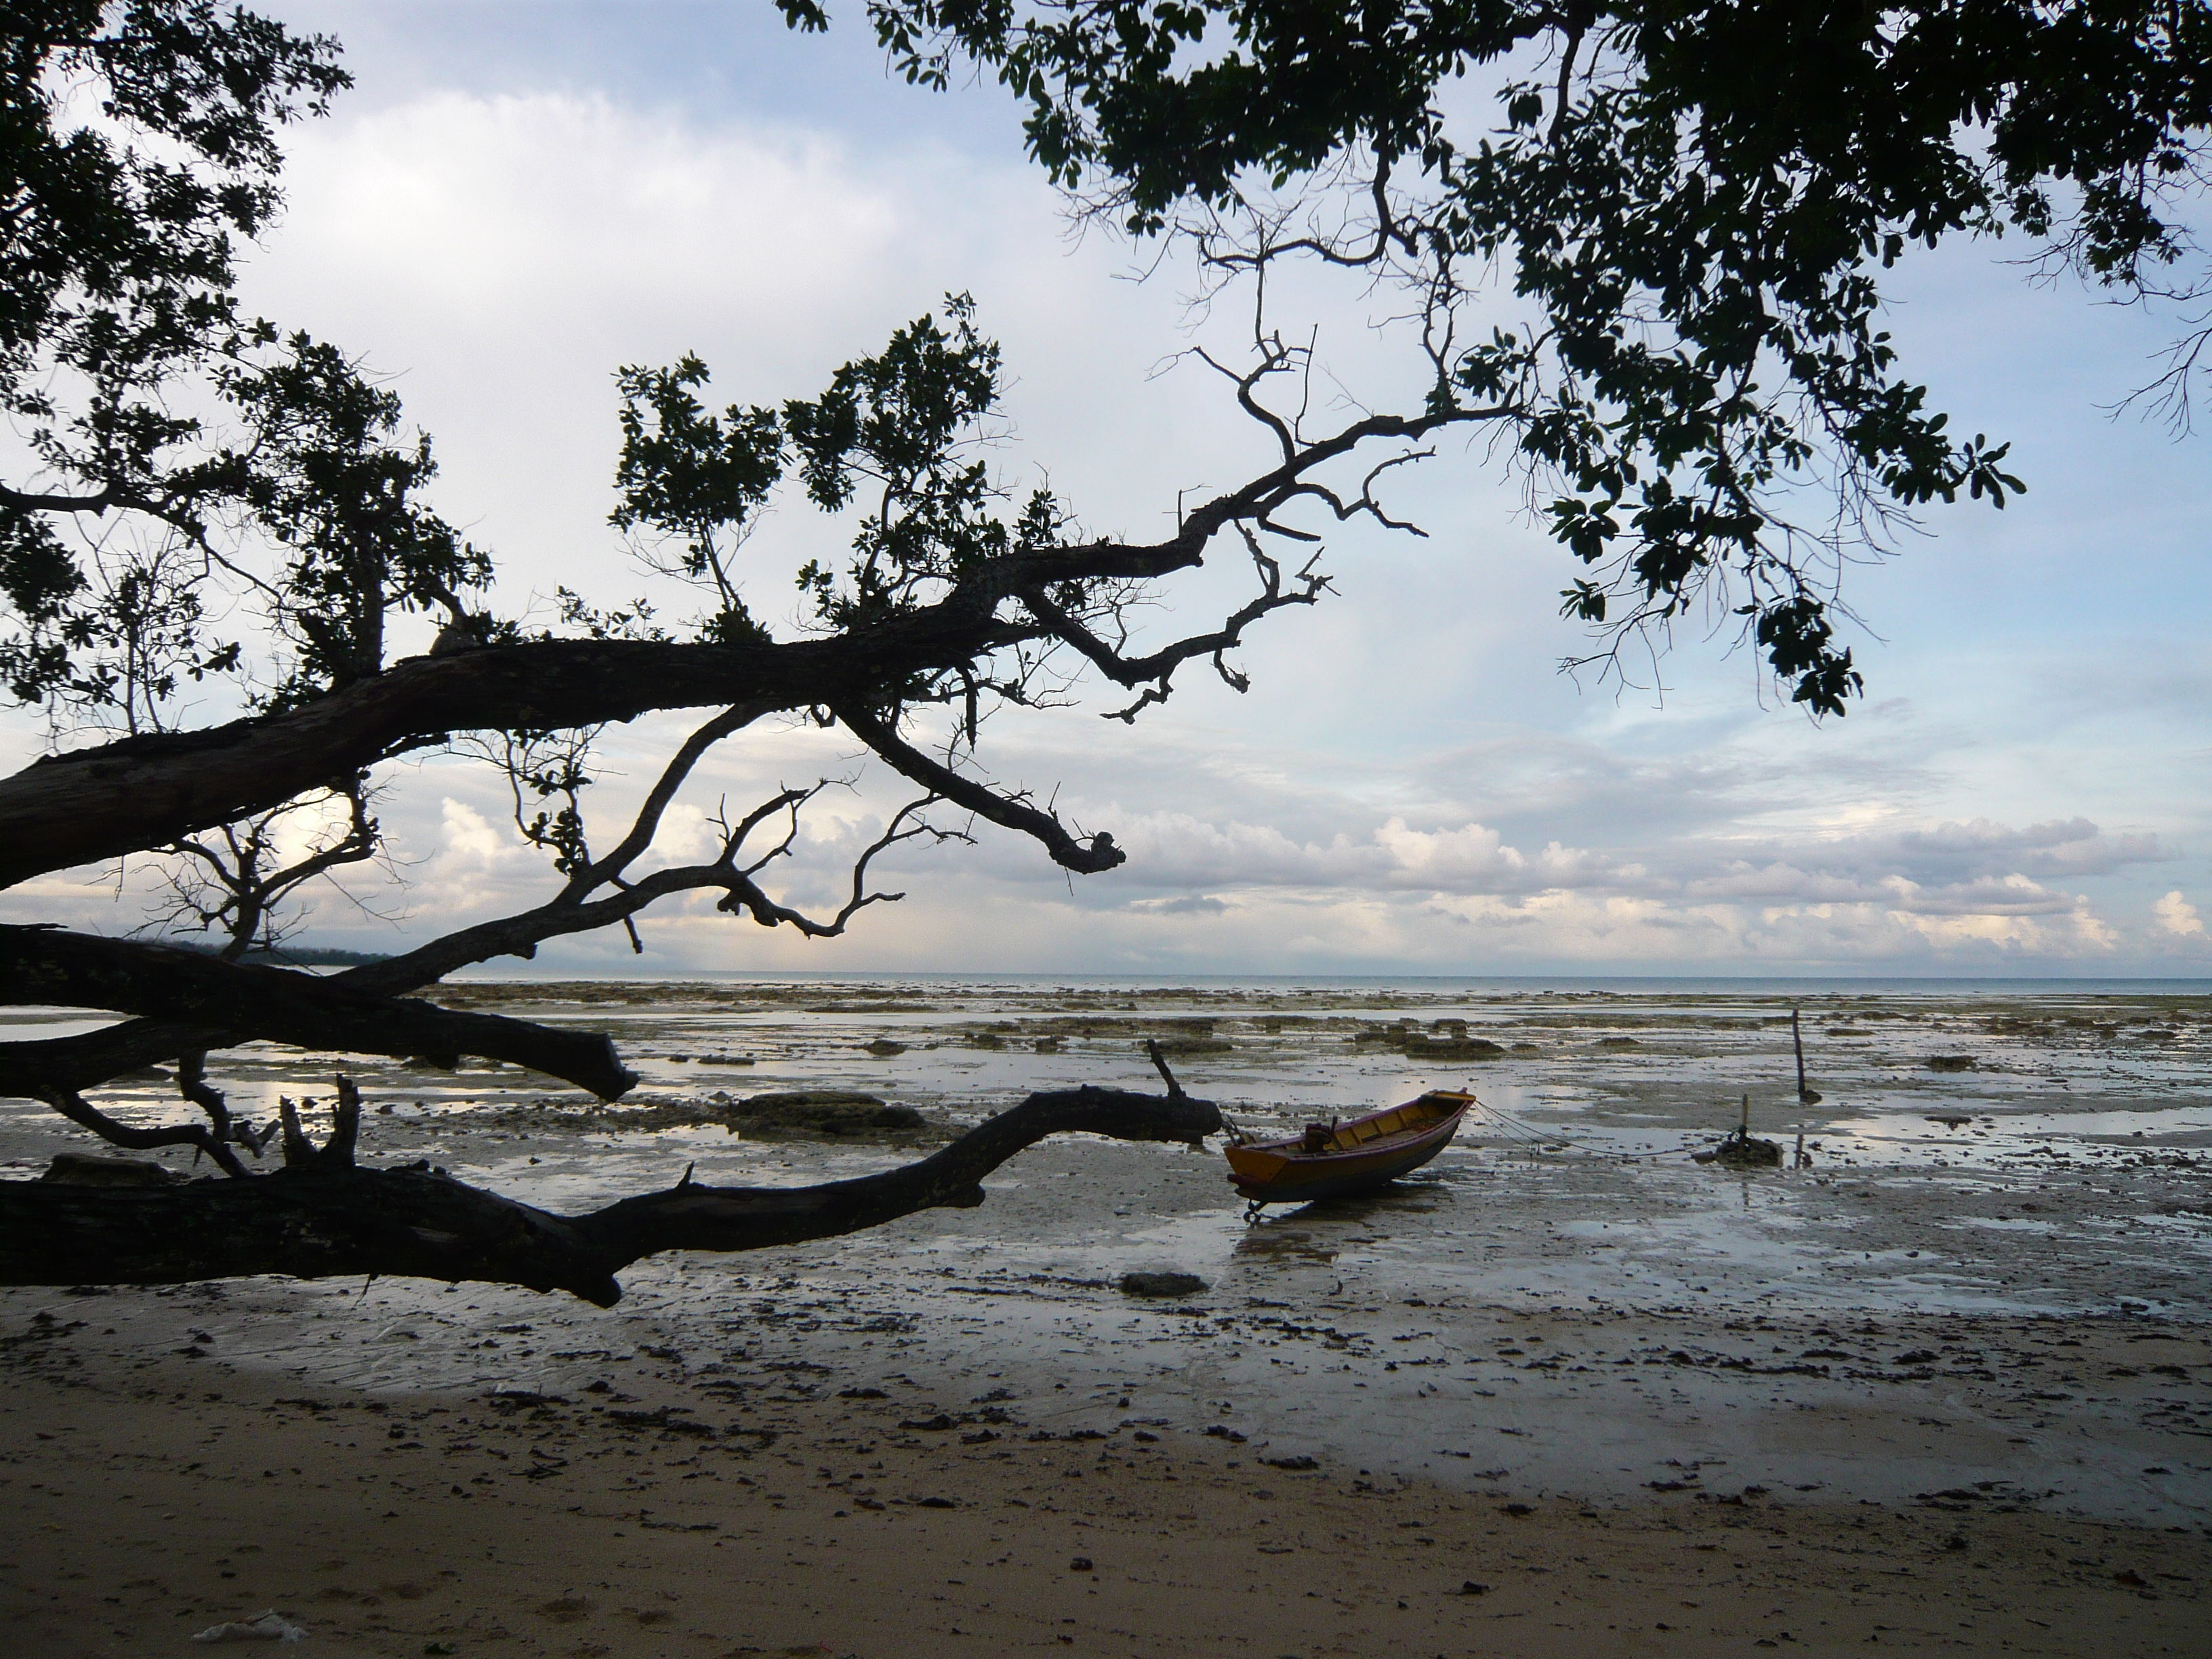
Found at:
[2074, 1183]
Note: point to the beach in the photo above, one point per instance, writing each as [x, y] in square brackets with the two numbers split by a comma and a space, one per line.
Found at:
[1946, 1387]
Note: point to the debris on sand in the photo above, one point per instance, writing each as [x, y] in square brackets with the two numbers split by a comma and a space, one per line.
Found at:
[1740, 1149]
[269, 1626]
[1950, 1062]
[1161, 1284]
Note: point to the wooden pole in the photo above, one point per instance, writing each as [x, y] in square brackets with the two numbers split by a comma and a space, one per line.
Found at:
[1805, 1096]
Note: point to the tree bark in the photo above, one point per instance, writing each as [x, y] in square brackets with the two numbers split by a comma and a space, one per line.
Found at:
[184, 988]
[324, 1217]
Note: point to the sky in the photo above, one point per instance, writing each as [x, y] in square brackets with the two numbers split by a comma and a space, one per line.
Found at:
[518, 197]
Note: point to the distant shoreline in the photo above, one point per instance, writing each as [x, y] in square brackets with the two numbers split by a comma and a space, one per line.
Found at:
[1658, 984]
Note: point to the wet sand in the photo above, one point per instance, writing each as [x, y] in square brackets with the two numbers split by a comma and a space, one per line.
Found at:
[153, 1497]
[1980, 1316]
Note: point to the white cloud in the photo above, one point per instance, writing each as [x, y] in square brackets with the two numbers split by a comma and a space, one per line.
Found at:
[2178, 916]
[469, 839]
[1408, 784]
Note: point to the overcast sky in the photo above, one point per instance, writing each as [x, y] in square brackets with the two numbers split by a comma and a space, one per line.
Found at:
[518, 197]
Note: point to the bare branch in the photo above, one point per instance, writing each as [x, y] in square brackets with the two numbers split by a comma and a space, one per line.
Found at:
[749, 898]
[345, 1124]
[1160, 1064]
[80, 1112]
[1084, 857]
[203, 992]
[322, 1219]
[1158, 668]
[232, 889]
[672, 776]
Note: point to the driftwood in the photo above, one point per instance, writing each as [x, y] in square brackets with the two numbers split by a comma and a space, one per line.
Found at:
[324, 1215]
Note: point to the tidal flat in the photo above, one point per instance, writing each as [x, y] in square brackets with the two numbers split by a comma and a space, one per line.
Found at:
[1982, 1311]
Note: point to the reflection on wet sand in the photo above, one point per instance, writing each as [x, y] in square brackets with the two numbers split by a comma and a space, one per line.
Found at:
[1996, 1270]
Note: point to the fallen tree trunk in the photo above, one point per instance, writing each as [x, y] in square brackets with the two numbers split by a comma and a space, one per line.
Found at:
[324, 1216]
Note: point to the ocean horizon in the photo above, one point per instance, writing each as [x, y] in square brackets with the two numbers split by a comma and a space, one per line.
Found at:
[1625, 984]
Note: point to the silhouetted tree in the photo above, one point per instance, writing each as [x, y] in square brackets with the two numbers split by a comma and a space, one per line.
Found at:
[1694, 202]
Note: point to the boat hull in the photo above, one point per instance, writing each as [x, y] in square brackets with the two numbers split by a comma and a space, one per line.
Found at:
[1283, 1172]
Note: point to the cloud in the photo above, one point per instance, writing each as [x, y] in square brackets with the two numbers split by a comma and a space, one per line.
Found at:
[1946, 869]
[1194, 904]
[1409, 785]
[2178, 916]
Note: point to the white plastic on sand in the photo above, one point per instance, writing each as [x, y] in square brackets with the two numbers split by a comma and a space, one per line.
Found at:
[269, 1626]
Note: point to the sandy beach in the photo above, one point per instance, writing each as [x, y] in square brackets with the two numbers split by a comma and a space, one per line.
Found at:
[154, 1496]
[1947, 1388]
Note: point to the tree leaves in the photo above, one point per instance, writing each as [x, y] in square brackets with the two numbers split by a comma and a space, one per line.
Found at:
[898, 433]
[1696, 199]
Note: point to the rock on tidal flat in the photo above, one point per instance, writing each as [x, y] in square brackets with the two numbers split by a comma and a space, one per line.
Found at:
[825, 1112]
[1161, 1284]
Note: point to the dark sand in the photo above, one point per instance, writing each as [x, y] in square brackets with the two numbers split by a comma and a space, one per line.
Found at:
[148, 1500]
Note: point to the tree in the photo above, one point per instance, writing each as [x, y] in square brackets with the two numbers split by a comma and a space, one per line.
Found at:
[1695, 203]
[1700, 251]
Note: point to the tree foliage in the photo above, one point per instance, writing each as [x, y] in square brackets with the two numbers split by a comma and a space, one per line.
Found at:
[1694, 203]
[1686, 208]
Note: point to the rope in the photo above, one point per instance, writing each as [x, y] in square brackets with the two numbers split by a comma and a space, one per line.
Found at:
[1514, 1126]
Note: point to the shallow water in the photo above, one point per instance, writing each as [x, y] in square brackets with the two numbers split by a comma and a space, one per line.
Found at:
[2067, 1175]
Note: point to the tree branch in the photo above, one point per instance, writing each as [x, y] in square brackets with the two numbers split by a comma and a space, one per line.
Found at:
[647, 824]
[29, 502]
[80, 1112]
[39, 964]
[37, 1067]
[153, 790]
[1084, 857]
[1157, 670]
[324, 1218]
[158, 788]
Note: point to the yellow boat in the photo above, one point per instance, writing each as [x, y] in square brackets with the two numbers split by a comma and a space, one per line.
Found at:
[1330, 1160]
